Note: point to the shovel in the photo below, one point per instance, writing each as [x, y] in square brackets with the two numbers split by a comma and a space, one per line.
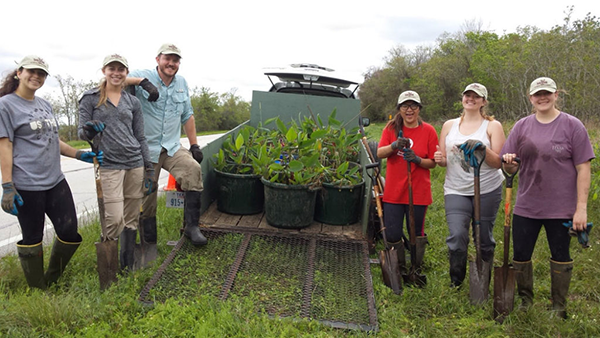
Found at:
[479, 271]
[504, 276]
[388, 257]
[107, 251]
[413, 276]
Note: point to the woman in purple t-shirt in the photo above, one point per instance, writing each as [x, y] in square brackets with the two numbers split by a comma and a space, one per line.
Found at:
[554, 181]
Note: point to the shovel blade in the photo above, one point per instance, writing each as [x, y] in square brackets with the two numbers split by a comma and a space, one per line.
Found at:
[417, 279]
[504, 291]
[390, 270]
[107, 255]
[479, 282]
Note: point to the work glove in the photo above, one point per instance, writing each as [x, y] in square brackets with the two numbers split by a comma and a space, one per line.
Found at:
[472, 157]
[150, 88]
[88, 156]
[410, 156]
[401, 142]
[92, 128]
[149, 183]
[197, 153]
[9, 197]
[582, 236]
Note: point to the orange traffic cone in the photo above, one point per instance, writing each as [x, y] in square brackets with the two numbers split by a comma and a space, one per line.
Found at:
[171, 184]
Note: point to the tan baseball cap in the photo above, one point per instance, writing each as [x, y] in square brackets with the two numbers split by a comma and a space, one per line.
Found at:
[33, 62]
[542, 83]
[115, 58]
[169, 48]
[409, 95]
[478, 88]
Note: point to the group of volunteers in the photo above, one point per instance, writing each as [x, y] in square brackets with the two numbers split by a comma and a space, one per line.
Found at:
[136, 136]
[555, 154]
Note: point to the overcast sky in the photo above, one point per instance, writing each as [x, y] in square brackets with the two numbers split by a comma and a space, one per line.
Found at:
[227, 44]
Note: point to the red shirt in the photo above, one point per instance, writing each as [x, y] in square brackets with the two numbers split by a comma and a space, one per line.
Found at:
[423, 142]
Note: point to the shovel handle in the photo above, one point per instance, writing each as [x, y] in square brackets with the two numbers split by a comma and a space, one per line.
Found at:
[509, 177]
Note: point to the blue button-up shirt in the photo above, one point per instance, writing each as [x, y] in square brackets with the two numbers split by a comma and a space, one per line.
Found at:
[163, 119]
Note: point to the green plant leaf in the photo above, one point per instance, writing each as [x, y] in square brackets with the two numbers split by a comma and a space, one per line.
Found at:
[296, 166]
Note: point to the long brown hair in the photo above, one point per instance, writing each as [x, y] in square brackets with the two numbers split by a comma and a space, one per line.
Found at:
[10, 83]
[397, 122]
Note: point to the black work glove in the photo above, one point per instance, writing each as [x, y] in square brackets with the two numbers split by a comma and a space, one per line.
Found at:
[92, 128]
[149, 183]
[150, 88]
[410, 156]
[9, 197]
[197, 153]
[401, 142]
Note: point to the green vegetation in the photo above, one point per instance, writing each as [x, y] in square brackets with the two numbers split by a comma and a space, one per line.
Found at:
[76, 307]
[506, 64]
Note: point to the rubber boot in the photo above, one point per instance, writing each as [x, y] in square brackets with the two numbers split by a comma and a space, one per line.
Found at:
[458, 267]
[524, 278]
[148, 251]
[191, 216]
[560, 274]
[32, 262]
[400, 251]
[61, 255]
[127, 240]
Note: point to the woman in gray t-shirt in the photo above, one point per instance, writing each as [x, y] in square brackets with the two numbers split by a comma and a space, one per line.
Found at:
[32, 181]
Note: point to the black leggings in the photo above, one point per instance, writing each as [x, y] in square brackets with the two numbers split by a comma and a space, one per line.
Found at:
[525, 234]
[394, 216]
[58, 204]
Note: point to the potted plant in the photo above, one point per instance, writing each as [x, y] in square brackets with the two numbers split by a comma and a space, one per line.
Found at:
[291, 175]
[240, 190]
[340, 197]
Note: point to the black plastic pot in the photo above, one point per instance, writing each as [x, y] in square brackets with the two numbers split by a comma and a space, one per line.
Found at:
[239, 194]
[339, 205]
[289, 206]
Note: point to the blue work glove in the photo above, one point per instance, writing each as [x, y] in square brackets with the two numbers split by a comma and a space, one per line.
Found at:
[9, 197]
[149, 183]
[88, 156]
[150, 88]
[410, 156]
[582, 236]
[92, 128]
[401, 142]
[468, 148]
[197, 153]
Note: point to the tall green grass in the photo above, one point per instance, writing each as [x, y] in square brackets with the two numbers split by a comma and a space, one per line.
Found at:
[76, 308]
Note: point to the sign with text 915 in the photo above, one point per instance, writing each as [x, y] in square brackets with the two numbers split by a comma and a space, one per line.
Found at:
[175, 199]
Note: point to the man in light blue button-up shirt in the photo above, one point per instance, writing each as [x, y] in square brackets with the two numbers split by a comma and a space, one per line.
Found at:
[163, 119]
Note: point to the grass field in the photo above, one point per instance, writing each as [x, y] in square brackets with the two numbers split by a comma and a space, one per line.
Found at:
[76, 308]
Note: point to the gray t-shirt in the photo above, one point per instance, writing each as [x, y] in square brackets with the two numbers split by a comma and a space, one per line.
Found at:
[123, 141]
[33, 130]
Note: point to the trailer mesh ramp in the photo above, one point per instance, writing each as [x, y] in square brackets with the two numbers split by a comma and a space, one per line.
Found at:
[286, 275]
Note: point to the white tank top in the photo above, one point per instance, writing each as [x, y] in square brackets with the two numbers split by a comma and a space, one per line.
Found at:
[458, 181]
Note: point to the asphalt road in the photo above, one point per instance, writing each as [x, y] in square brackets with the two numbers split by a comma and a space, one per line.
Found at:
[80, 176]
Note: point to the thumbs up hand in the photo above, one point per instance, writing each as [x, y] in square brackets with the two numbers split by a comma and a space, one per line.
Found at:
[438, 157]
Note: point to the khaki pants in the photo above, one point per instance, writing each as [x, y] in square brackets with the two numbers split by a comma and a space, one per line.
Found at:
[123, 193]
[183, 167]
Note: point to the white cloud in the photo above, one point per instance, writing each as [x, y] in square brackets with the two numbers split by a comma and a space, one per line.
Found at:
[226, 44]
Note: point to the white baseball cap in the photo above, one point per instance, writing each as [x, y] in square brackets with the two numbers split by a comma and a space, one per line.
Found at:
[33, 62]
[409, 95]
[478, 89]
[542, 83]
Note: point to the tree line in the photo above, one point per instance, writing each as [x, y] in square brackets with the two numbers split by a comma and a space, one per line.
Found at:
[505, 64]
[212, 111]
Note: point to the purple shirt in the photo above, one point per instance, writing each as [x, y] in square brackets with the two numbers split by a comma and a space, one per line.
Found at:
[549, 154]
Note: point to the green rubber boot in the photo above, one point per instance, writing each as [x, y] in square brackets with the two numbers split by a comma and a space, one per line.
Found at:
[32, 262]
[61, 255]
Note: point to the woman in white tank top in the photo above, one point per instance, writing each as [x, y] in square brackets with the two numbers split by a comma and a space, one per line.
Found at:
[473, 124]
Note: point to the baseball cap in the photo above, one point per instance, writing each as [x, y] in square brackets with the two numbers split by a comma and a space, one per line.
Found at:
[169, 48]
[478, 88]
[409, 95]
[33, 62]
[115, 58]
[542, 83]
